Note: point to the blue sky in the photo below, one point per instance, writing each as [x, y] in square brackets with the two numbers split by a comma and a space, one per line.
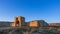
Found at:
[48, 10]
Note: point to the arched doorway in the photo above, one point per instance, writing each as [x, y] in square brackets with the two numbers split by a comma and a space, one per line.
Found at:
[17, 22]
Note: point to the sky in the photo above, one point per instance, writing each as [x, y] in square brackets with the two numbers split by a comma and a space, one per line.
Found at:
[48, 10]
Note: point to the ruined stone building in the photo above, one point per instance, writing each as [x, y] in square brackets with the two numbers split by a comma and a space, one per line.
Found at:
[20, 21]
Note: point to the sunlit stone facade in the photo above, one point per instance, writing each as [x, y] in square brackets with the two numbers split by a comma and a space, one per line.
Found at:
[18, 21]
[34, 24]
[37, 23]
